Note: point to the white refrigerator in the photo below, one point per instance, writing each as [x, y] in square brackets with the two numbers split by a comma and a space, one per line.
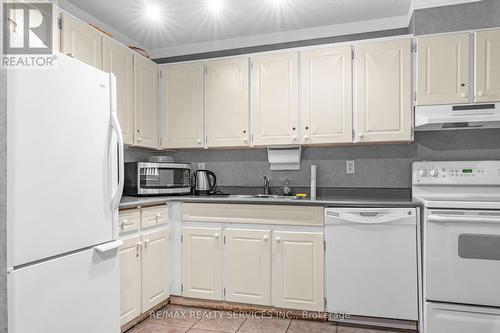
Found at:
[64, 184]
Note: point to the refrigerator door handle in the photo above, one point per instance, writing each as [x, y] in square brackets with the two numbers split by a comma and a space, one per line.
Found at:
[115, 125]
[106, 247]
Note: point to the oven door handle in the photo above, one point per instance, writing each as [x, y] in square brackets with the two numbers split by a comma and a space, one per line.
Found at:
[463, 219]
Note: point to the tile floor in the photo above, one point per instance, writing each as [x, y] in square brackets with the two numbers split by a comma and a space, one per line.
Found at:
[180, 319]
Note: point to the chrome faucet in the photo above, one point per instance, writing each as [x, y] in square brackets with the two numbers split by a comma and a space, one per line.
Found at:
[266, 185]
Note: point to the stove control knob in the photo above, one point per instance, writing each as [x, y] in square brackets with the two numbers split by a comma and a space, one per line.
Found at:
[422, 172]
[434, 172]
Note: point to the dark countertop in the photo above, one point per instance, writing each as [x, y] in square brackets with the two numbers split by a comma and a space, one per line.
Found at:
[331, 198]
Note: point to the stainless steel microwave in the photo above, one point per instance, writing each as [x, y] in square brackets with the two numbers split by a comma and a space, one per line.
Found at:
[149, 178]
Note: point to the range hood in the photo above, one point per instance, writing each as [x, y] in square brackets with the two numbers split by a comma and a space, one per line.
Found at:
[451, 117]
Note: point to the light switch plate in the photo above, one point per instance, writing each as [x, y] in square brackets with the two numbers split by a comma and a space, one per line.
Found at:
[201, 166]
[350, 167]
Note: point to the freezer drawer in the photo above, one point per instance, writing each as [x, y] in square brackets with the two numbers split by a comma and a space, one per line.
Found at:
[442, 317]
[371, 262]
[77, 293]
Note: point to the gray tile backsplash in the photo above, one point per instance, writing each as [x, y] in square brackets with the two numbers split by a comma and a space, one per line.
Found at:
[382, 166]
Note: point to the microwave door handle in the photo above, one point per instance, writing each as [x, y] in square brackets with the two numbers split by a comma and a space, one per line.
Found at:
[115, 125]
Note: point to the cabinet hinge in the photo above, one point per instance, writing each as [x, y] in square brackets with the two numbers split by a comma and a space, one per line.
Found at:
[324, 245]
[352, 54]
[224, 239]
[161, 74]
[182, 238]
[182, 287]
[325, 301]
[251, 65]
[353, 135]
[413, 47]
[206, 69]
[224, 291]
[252, 138]
[59, 23]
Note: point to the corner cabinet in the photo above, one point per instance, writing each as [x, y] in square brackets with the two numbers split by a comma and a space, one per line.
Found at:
[146, 102]
[487, 66]
[327, 95]
[81, 41]
[383, 110]
[118, 59]
[182, 87]
[443, 69]
[202, 263]
[228, 108]
[275, 99]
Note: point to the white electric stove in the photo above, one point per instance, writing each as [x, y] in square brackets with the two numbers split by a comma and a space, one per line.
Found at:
[461, 244]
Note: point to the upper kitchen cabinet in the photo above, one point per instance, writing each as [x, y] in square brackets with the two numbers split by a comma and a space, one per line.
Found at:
[81, 41]
[118, 59]
[146, 102]
[443, 69]
[227, 103]
[487, 66]
[182, 105]
[383, 89]
[275, 99]
[327, 95]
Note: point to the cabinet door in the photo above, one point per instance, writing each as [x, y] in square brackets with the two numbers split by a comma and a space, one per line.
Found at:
[202, 263]
[118, 59]
[327, 95]
[487, 66]
[275, 99]
[443, 69]
[298, 271]
[81, 41]
[130, 279]
[227, 103]
[155, 268]
[145, 102]
[247, 266]
[183, 94]
[383, 88]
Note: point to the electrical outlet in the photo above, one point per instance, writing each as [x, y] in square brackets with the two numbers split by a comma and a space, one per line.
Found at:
[350, 167]
[201, 166]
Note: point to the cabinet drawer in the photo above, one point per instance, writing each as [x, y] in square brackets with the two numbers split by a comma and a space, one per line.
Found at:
[153, 216]
[254, 214]
[129, 220]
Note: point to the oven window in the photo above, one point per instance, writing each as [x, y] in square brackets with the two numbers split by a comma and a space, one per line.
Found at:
[161, 178]
[476, 246]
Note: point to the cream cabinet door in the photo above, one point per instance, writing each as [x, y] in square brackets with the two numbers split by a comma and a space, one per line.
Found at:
[227, 103]
[118, 59]
[443, 69]
[129, 255]
[298, 271]
[155, 268]
[81, 41]
[182, 99]
[145, 102]
[247, 266]
[202, 263]
[327, 95]
[275, 99]
[487, 88]
[383, 88]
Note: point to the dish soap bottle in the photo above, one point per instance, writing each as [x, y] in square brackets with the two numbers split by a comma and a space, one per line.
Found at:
[287, 189]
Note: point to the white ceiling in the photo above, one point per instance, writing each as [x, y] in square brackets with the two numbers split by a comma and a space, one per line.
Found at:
[187, 26]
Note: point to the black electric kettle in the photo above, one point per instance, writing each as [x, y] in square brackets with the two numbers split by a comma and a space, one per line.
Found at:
[204, 182]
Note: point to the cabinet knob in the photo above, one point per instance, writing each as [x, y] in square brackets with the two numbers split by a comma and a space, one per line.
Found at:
[294, 137]
[306, 137]
[266, 238]
[463, 95]
[245, 139]
[216, 235]
[146, 243]
[158, 215]
[480, 93]
[361, 135]
[69, 55]
[139, 139]
[199, 141]
[277, 239]
[138, 246]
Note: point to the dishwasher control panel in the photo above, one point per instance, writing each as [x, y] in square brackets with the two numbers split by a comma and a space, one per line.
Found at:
[456, 172]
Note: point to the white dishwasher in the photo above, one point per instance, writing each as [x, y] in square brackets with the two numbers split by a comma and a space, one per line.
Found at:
[371, 262]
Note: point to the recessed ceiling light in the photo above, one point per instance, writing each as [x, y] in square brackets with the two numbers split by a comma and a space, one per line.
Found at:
[152, 12]
[215, 6]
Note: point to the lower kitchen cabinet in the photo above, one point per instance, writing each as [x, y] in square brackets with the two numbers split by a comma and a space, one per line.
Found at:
[247, 266]
[202, 263]
[299, 270]
[130, 279]
[155, 268]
